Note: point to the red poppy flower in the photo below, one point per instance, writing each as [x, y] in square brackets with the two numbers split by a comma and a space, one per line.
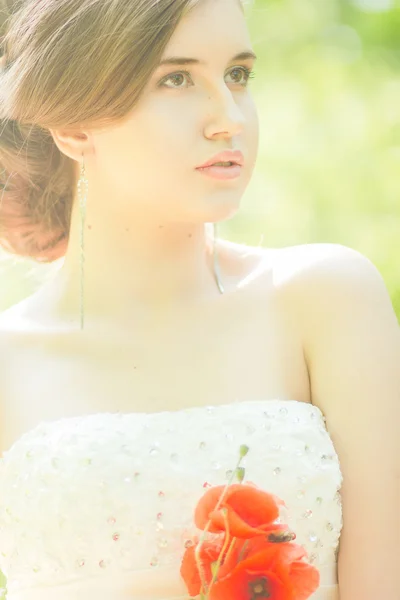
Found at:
[248, 510]
[259, 560]
[209, 554]
[267, 570]
[253, 569]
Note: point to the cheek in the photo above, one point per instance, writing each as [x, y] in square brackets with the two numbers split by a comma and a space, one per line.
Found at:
[150, 157]
[161, 136]
[252, 133]
[252, 118]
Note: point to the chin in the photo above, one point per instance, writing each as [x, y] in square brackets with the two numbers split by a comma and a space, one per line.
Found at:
[220, 209]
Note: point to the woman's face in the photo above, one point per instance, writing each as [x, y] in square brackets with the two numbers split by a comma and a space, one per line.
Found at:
[187, 114]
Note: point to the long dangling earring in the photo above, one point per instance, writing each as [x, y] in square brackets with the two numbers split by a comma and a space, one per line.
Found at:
[217, 272]
[83, 185]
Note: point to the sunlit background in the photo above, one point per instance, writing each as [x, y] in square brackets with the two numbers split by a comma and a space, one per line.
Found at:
[328, 89]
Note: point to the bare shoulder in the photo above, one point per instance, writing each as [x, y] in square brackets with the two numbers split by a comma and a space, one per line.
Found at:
[310, 274]
[344, 311]
[329, 290]
[321, 264]
[321, 278]
[4, 369]
[10, 336]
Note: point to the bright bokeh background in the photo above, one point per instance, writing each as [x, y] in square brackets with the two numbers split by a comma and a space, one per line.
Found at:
[328, 89]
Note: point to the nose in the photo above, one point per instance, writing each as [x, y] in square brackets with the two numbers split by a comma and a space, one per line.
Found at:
[224, 117]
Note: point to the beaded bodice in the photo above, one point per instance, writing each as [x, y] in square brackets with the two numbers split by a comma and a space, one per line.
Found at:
[115, 493]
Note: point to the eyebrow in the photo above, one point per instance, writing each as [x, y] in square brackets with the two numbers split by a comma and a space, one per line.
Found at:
[180, 60]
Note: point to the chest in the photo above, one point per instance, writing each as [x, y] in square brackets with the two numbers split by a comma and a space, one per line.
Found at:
[209, 357]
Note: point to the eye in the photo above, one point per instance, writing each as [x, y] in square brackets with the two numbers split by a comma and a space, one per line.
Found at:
[176, 78]
[242, 75]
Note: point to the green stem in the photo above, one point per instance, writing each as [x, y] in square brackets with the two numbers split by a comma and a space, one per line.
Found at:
[224, 548]
[206, 529]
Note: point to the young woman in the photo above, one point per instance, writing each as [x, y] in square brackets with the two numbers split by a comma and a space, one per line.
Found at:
[130, 380]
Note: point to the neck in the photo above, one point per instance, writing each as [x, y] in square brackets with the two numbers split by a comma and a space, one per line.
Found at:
[133, 270]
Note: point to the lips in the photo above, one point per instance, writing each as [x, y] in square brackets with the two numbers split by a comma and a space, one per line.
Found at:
[228, 156]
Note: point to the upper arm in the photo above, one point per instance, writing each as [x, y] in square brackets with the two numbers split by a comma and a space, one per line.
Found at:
[352, 347]
[3, 379]
[2, 383]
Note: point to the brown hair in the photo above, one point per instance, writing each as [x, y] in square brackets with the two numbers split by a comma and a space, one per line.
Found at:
[66, 65]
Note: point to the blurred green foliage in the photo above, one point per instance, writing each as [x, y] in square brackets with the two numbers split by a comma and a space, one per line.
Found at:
[328, 90]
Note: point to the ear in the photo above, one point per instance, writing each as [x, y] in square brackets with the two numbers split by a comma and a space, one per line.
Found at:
[73, 143]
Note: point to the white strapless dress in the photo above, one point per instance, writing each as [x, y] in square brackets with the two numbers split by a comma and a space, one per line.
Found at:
[99, 507]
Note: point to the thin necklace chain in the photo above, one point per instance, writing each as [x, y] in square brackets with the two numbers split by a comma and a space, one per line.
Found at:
[82, 196]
